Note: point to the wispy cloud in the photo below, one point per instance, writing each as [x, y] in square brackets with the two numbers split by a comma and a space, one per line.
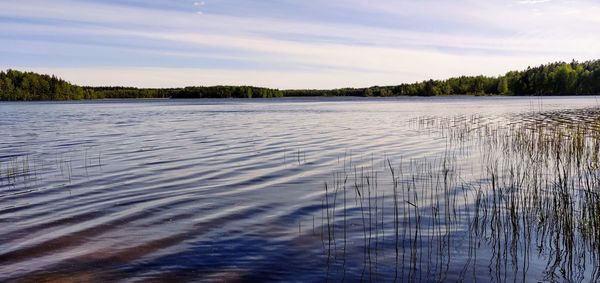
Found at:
[290, 43]
[533, 1]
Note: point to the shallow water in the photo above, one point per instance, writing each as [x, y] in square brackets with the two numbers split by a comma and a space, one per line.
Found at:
[234, 190]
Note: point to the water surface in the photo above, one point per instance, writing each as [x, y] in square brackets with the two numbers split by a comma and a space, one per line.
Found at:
[263, 190]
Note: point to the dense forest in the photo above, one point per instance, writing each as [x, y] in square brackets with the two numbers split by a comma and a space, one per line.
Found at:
[188, 92]
[560, 78]
[16, 85]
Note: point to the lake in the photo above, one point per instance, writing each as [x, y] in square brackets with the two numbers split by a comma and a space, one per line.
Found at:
[443, 189]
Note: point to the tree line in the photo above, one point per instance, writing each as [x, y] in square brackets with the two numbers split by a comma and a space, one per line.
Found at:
[560, 78]
[16, 85]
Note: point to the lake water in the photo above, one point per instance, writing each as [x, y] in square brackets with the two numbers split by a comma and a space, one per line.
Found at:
[311, 190]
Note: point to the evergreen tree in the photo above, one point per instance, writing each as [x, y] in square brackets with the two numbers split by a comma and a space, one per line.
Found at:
[502, 86]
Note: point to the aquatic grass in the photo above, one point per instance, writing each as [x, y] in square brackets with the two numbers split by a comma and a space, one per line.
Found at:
[26, 171]
[536, 196]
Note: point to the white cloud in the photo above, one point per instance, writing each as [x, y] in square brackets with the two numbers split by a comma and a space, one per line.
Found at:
[490, 38]
[533, 1]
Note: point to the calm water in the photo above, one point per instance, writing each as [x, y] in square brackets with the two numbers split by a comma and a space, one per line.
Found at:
[235, 190]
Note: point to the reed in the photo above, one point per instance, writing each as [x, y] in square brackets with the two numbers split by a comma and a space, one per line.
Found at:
[535, 196]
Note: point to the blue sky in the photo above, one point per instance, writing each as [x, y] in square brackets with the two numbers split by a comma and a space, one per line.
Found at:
[290, 43]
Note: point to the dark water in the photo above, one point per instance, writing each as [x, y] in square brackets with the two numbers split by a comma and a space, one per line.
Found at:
[268, 190]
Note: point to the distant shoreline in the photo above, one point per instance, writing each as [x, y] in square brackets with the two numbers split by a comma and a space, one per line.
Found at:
[554, 79]
[300, 98]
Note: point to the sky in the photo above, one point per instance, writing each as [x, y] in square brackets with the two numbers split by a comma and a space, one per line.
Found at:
[290, 43]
